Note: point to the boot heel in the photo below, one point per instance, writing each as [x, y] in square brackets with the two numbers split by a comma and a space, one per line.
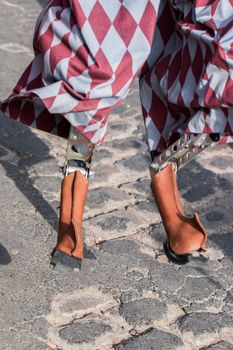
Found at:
[68, 253]
[194, 259]
[63, 262]
[173, 257]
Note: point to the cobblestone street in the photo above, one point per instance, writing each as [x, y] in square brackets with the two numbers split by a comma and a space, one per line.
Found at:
[127, 296]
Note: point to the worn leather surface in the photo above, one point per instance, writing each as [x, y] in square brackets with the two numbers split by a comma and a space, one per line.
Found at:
[185, 235]
[73, 196]
[79, 198]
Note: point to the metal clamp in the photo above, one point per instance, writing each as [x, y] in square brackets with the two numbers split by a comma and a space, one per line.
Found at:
[183, 151]
[71, 166]
[78, 154]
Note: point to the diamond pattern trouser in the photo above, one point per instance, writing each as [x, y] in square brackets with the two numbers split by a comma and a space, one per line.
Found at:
[87, 53]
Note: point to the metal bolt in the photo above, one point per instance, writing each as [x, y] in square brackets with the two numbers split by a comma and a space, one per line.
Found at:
[154, 165]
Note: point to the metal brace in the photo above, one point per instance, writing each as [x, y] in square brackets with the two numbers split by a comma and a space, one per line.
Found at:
[183, 151]
[78, 154]
[71, 166]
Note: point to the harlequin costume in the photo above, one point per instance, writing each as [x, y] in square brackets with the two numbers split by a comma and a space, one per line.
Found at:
[88, 52]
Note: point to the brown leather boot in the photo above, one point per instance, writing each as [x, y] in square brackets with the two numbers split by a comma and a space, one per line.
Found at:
[69, 248]
[185, 235]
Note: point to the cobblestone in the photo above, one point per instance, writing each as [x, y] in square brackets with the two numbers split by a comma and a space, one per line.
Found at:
[220, 346]
[203, 323]
[84, 332]
[152, 340]
[143, 312]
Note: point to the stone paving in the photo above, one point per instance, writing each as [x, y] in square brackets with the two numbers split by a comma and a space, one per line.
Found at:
[127, 296]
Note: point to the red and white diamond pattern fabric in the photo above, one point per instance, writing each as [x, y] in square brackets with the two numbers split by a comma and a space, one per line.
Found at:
[87, 53]
[186, 85]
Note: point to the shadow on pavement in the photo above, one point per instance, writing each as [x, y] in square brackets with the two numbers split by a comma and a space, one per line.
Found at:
[20, 150]
[197, 184]
[5, 258]
[19, 142]
[225, 242]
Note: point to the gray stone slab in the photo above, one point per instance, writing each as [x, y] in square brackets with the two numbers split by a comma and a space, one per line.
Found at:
[206, 183]
[120, 129]
[129, 144]
[117, 224]
[224, 242]
[21, 340]
[142, 186]
[166, 277]
[40, 327]
[219, 346]
[118, 272]
[222, 163]
[143, 311]
[152, 340]
[36, 345]
[217, 218]
[130, 295]
[136, 163]
[147, 211]
[48, 184]
[102, 155]
[199, 288]
[227, 201]
[229, 302]
[106, 199]
[204, 323]
[119, 247]
[84, 331]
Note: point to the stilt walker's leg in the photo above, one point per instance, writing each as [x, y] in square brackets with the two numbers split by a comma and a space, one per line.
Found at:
[68, 253]
[184, 235]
